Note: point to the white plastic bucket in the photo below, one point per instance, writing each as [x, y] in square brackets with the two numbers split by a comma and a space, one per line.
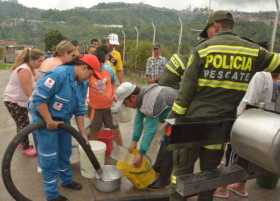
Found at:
[86, 167]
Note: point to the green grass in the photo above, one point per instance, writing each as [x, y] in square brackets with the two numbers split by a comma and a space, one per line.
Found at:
[4, 66]
[135, 77]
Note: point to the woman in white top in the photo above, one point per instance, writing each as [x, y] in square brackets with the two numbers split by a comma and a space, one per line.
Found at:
[64, 53]
[19, 89]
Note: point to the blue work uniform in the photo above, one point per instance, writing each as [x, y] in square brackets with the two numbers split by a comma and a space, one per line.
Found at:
[65, 97]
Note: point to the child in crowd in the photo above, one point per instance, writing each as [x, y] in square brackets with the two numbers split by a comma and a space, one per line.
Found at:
[101, 95]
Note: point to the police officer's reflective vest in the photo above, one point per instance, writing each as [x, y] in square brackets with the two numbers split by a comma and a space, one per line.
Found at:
[175, 65]
[173, 71]
[217, 75]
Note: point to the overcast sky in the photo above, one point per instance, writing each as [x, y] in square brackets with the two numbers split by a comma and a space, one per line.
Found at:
[242, 5]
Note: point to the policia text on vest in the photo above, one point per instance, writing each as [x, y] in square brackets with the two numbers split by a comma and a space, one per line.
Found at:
[217, 66]
[227, 66]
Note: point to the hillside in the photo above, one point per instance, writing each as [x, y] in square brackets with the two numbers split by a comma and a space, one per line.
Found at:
[29, 25]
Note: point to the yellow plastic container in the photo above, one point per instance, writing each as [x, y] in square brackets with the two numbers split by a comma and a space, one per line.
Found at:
[140, 177]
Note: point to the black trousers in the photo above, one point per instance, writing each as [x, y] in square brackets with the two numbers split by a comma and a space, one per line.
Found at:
[164, 164]
[183, 163]
[20, 116]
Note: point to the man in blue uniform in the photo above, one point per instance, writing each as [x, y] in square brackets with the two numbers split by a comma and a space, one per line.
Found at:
[58, 96]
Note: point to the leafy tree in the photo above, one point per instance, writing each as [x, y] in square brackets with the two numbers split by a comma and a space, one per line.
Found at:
[52, 38]
[36, 26]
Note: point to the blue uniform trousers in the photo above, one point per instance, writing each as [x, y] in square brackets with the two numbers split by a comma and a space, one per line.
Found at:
[54, 151]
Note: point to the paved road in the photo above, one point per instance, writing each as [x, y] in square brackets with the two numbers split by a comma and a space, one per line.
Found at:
[29, 181]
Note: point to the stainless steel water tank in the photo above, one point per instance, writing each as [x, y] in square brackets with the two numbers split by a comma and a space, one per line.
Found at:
[255, 136]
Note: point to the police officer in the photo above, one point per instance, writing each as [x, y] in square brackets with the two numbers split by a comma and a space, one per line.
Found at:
[58, 96]
[215, 79]
[171, 77]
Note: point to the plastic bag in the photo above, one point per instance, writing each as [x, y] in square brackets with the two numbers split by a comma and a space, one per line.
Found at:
[141, 177]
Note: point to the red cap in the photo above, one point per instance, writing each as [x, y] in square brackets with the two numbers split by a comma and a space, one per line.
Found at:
[93, 62]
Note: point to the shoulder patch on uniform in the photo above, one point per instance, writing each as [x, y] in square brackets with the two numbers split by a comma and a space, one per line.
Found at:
[57, 106]
[49, 82]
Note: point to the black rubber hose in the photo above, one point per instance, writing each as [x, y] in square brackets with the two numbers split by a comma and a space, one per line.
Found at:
[8, 155]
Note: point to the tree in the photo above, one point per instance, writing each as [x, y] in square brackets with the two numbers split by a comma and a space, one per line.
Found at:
[52, 38]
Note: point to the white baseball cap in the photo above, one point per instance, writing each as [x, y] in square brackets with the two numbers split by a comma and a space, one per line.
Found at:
[122, 92]
[113, 39]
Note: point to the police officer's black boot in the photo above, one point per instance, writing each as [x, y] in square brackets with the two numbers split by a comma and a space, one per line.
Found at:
[59, 198]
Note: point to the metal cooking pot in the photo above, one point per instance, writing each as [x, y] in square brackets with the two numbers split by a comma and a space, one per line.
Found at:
[110, 179]
[255, 136]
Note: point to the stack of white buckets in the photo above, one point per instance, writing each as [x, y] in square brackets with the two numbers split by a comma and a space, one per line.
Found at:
[87, 170]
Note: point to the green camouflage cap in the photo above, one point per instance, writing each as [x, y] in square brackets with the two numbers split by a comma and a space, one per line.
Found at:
[214, 17]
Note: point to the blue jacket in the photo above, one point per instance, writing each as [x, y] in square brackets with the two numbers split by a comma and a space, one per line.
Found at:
[64, 95]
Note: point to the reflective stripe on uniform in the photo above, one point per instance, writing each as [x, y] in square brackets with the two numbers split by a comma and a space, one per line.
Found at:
[214, 147]
[174, 64]
[190, 61]
[40, 95]
[228, 49]
[47, 155]
[223, 84]
[172, 70]
[178, 109]
[173, 179]
[275, 62]
[63, 99]
[176, 60]
[50, 182]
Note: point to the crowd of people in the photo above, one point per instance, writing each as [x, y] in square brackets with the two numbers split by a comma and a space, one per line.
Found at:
[210, 86]
[55, 89]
